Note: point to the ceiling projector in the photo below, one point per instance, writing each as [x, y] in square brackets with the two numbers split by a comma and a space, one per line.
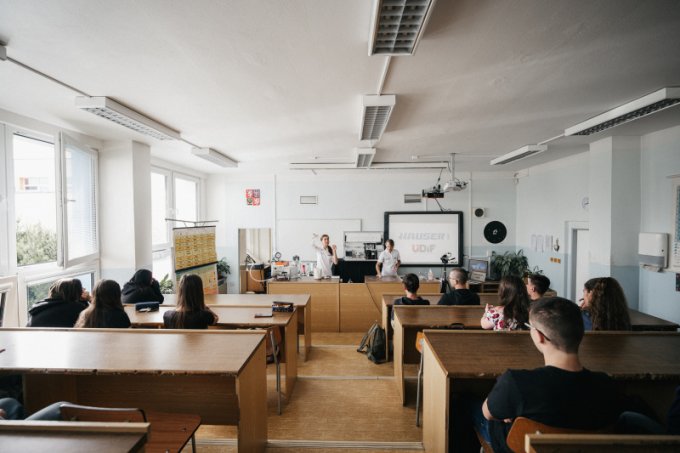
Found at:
[455, 185]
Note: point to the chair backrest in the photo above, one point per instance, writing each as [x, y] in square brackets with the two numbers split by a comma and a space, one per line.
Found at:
[523, 426]
[420, 336]
[77, 413]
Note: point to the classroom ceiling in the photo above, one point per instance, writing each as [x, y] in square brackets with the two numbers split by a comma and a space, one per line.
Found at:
[273, 82]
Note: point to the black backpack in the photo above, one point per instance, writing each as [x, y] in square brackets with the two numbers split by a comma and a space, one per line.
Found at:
[373, 344]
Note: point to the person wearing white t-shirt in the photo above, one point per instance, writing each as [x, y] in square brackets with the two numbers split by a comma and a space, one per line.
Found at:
[389, 259]
[326, 255]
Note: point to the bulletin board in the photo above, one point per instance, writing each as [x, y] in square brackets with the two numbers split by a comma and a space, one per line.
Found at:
[294, 236]
[194, 253]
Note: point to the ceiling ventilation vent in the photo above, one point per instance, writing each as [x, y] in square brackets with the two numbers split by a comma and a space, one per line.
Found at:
[646, 105]
[398, 25]
[125, 116]
[518, 154]
[376, 114]
[213, 156]
[364, 157]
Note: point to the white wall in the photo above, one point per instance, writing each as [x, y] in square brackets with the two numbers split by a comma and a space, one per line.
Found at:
[549, 196]
[357, 195]
[660, 159]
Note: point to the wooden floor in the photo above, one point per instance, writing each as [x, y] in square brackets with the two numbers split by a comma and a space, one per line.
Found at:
[342, 403]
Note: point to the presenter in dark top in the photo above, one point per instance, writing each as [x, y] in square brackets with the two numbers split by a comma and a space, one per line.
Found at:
[460, 294]
[389, 259]
[326, 254]
[562, 393]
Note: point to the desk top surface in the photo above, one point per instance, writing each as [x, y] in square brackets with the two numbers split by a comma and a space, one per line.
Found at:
[397, 279]
[439, 315]
[112, 351]
[245, 300]
[228, 316]
[307, 280]
[624, 355]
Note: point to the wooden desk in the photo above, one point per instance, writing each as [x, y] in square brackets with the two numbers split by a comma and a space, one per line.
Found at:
[240, 317]
[409, 320]
[219, 375]
[643, 363]
[324, 299]
[601, 443]
[300, 301]
[643, 321]
[72, 437]
[386, 313]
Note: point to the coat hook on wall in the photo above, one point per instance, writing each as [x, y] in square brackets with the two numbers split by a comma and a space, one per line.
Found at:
[556, 247]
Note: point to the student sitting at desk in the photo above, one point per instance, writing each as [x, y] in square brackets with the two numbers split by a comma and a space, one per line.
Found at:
[537, 286]
[460, 294]
[411, 284]
[562, 393]
[106, 309]
[142, 287]
[66, 299]
[513, 306]
[191, 312]
[604, 305]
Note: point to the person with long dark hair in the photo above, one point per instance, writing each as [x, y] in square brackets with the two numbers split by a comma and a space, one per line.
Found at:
[106, 309]
[326, 255]
[512, 310]
[604, 305]
[191, 312]
[142, 287]
[61, 308]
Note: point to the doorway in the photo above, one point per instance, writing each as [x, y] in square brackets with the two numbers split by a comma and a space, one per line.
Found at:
[579, 251]
[254, 252]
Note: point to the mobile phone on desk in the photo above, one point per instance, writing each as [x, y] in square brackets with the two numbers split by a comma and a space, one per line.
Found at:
[264, 315]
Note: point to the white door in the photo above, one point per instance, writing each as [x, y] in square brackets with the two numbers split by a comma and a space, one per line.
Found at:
[581, 248]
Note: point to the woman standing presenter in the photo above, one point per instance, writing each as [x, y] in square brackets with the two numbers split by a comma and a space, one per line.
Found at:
[326, 255]
[389, 259]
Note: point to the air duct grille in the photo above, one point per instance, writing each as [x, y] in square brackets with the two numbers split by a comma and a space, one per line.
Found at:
[413, 198]
[375, 122]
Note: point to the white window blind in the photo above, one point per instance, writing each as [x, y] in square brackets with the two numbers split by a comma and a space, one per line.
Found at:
[79, 189]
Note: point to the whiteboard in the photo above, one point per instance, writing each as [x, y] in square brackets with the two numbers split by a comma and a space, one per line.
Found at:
[294, 236]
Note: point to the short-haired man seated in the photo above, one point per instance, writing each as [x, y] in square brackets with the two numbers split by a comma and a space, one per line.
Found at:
[537, 286]
[562, 393]
[459, 294]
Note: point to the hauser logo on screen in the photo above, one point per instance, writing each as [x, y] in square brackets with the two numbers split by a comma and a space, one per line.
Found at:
[422, 238]
[417, 247]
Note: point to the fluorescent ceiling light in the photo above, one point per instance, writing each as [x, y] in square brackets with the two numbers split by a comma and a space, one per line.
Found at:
[646, 105]
[125, 116]
[398, 25]
[376, 114]
[518, 154]
[363, 157]
[374, 166]
[213, 156]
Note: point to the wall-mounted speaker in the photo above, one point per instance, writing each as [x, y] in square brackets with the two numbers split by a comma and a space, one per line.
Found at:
[479, 212]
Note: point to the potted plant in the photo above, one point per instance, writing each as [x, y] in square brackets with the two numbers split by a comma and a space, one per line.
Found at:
[166, 285]
[223, 270]
[509, 263]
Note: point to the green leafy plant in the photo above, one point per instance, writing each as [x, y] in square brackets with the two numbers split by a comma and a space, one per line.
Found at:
[509, 263]
[223, 268]
[166, 285]
[35, 244]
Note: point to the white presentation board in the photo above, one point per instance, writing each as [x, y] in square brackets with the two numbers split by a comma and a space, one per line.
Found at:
[294, 236]
[423, 237]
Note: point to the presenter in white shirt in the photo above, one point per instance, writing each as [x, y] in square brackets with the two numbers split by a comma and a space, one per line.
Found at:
[389, 259]
[326, 255]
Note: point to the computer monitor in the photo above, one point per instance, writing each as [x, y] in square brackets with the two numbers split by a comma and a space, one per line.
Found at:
[479, 269]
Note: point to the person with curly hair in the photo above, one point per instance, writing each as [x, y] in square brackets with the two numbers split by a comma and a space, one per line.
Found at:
[512, 310]
[604, 305]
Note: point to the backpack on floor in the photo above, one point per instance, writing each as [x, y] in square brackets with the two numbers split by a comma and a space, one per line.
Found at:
[373, 344]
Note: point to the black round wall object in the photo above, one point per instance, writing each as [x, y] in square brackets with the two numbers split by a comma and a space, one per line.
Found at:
[479, 212]
[495, 232]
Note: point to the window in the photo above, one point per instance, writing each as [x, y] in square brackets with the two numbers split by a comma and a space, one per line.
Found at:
[35, 210]
[48, 216]
[174, 196]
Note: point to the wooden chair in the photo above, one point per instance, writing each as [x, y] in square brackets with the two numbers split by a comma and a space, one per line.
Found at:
[420, 338]
[523, 426]
[168, 432]
[598, 443]
[274, 350]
